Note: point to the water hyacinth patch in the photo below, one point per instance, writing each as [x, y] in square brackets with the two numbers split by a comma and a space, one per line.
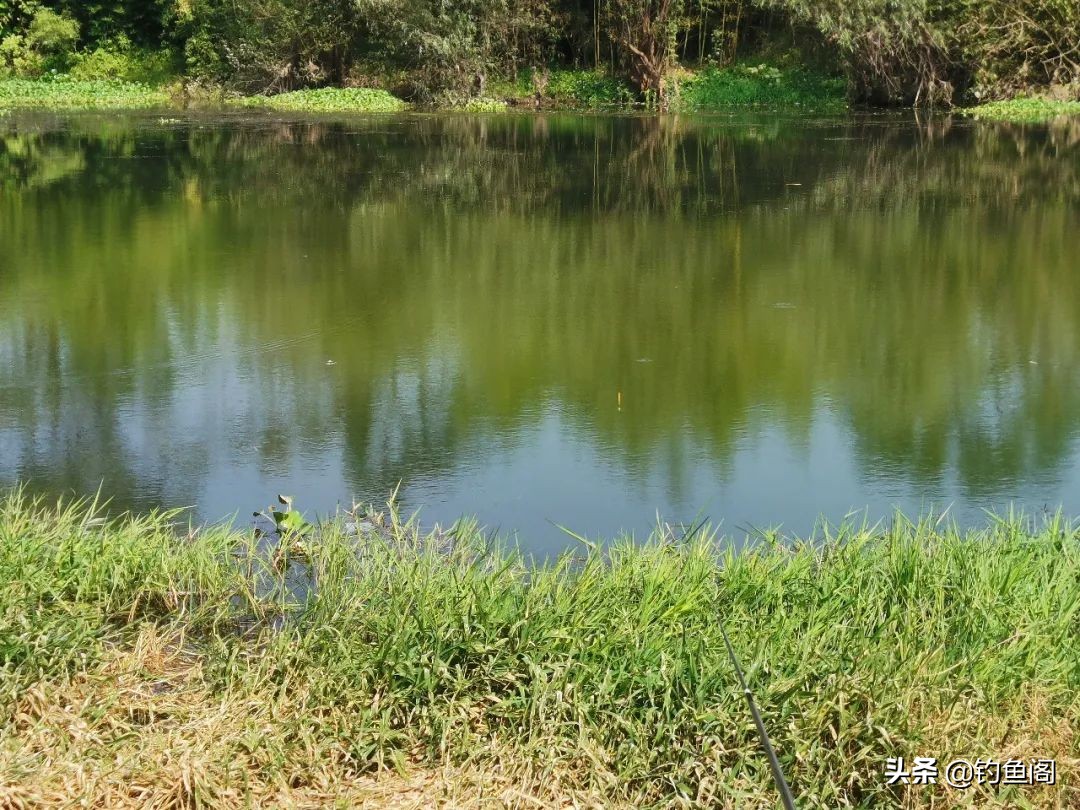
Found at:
[63, 92]
[1026, 110]
[329, 99]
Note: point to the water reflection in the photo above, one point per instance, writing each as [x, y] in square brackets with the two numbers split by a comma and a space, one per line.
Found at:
[800, 316]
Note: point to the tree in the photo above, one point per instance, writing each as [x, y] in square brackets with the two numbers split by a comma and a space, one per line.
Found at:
[646, 30]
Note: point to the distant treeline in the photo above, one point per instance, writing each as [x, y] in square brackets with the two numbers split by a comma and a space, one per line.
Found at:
[891, 51]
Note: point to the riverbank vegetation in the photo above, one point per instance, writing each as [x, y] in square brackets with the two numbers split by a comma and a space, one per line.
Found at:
[146, 663]
[329, 99]
[688, 54]
[1026, 110]
[68, 93]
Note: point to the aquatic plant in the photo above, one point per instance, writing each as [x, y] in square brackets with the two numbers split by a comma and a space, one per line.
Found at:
[286, 521]
[136, 650]
[1025, 110]
[63, 92]
[329, 99]
[480, 105]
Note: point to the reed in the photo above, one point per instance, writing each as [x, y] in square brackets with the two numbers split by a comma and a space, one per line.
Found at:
[146, 663]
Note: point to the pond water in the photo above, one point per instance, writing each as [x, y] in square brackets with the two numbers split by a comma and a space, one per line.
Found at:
[574, 320]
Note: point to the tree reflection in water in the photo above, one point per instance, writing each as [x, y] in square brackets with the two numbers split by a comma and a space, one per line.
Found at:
[170, 293]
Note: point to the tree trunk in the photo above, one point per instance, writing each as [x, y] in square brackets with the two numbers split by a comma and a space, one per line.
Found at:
[647, 71]
[646, 36]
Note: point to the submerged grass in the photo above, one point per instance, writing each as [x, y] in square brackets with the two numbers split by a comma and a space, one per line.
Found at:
[144, 666]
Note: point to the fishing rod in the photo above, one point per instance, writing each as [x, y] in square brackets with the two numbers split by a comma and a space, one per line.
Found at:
[774, 762]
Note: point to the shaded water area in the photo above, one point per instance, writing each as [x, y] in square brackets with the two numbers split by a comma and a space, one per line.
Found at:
[800, 317]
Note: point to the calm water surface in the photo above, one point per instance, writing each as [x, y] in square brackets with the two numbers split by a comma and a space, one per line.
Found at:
[802, 317]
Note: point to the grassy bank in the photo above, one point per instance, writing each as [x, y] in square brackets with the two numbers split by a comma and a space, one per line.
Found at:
[140, 666]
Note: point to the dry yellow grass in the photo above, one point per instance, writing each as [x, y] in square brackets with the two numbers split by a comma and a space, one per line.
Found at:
[143, 729]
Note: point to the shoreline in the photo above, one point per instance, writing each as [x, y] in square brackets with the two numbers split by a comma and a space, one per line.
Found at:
[65, 94]
[740, 87]
[170, 664]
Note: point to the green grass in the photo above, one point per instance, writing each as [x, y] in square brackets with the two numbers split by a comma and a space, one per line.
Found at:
[1025, 110]
[134, 653]
[63, 92]
[329, 99]
[758, 86]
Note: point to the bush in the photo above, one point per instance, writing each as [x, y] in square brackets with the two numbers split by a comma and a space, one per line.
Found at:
[147, 23]
[270, 45]
[893, 50]
[587, 88]
[17, 59]
[119, 59]
[447, 49]
[1013, 45]
[450, 48]
[758, 85]
[928, 51]
[47, 44]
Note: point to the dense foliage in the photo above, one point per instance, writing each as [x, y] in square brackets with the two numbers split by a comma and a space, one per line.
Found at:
[928, 50]
[758, 85]
[893, 51]
[45, 42]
